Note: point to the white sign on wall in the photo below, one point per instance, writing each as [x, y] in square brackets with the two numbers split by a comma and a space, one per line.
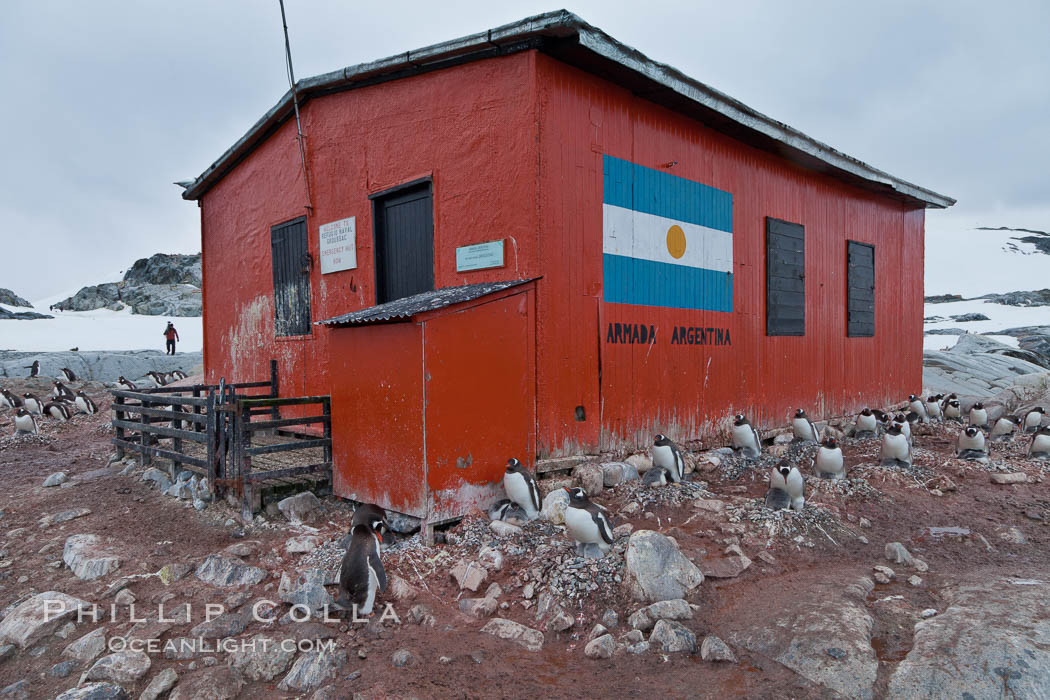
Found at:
[479, 256]
[338, 245]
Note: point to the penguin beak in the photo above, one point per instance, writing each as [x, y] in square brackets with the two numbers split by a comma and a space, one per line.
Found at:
[379, 537]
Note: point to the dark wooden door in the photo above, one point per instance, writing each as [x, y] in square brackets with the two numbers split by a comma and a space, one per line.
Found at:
[404, 245]
[291, 278]
[785, 278]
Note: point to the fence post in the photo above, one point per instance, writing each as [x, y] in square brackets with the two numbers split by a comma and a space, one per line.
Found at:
[197, 409]
[119, 415]
[209, 417]
[146, 457]
[274, 389]
[176, 442]
[326, 410]
[244, 443]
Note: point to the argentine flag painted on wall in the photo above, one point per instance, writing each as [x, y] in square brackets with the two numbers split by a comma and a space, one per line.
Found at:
[666, 241]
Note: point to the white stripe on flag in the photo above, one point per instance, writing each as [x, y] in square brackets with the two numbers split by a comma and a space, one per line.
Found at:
[635, 234]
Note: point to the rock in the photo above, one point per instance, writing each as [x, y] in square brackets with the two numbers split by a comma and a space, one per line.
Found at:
[64, 516]
[615, 473]
[469, 574]
[87, 647]
[300, 507]
[56, 479]
[601, 648]
[597, 631]
[915, 581]
[504, 529]
[228, 624]
[656, 570]
[421, 615]
[714, 649]
[560, 621]
[301, 544]
[530, 639]
[119, 667]
[634, 636]
[800, 632]
[95, 691]
[219, 570]
[591, 478]
[494, 591]
[1012, 478]
[622, 530]
[987, 644]
[710, 505]
[404, 658]
[210, 683]
[884, 574]
[490, 558]
[639, 648]
[38, 617]
[724, 567]
[307, 590]
[672, 637]
[86, 556]
[641, 462]
[313, 668]
[19, 690]
[610, 619]
[7, 651]
[263, 659]
[927, 613]
[161, 683]
[640, 620]
[554, 505]
[1013, 535]
[898, 554]
[124, 597]
[157, 477]
[247, 548]
[11, 299]
[478, 607]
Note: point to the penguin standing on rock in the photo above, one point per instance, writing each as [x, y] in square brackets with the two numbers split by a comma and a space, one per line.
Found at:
[178, 374]
[361, 573]
[978, 415]
[866, 425]
[587, 523]
[67, 374]
[803, 427]
[1039, 448]
[34, 369]
[84, 404]
[9, 400]
[667, 456]
[896, 448]
[1004, 427]
[1033, 419]
[59, 410]
[828, 463]
[786, 488]
[33, 404]
[25, 422]
[970, 444]
[952, 410]
[521, 488]
[745, 437]
[157, 378]
[916, 404]
[61, 391]
[126, 384]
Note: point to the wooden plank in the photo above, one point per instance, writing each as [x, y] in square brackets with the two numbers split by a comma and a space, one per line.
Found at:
[161, 452]
[285, 447]
[270, 424]
[167, 414]
[274, 474]
[292, 401]
[155, 400]
[162, 431]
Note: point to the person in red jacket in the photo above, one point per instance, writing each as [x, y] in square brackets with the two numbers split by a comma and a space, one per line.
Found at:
[172, 335]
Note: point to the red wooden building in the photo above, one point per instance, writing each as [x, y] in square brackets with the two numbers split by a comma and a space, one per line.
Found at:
[535, 241]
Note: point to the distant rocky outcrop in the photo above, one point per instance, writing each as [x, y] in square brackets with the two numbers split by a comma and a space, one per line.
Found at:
[6, 315]
[1038, 297]
[161, 285]
[943, 298]
[11, 299]
[978, 365]
[99, 366]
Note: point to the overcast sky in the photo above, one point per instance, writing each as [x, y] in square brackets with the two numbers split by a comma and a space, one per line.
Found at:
[107, 103]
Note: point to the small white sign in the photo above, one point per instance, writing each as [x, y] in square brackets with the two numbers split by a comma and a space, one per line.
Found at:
[338, 245]
[480, 256]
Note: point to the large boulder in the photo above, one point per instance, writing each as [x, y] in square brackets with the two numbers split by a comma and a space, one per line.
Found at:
[162, 285]
[554, 505]
[88, 557]
[224, 571]
[95, 691]
[11, 299]
[163, 268]
[300, 507]
[656, 569]
[263, 659]
[119, 667]
[530, 639]
[39, 617]
[214, 683]
[313, 668]
[979, 365]
[103, 366]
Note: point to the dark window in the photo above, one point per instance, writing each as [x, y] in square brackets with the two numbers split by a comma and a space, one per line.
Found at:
[785, 278]
[291, 278]
[404, 242]
[860, 290]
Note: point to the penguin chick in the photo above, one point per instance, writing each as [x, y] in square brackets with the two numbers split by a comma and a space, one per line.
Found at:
[1039, 448]
[84, 403]
[587, 522]
[828, 462]
[803, 427]
[778, 499]
[506, 510]
[25, 422]
[883, 418]
[970, 444]
[916, 404]
[361, 574]
[657, 476]
[1004, 427]
[896, 448]
[745, 437]
[866, 424]
[667, 455]
[521, 488]
[1033, 419]
[978, 415]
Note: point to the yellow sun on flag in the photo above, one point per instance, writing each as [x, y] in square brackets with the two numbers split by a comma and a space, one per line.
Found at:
[676, 241]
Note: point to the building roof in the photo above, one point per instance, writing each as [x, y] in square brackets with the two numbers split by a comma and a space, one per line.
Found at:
[568, 38]
[403, 309]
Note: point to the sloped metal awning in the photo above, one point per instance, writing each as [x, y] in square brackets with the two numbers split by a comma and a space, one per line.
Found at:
[403, 309]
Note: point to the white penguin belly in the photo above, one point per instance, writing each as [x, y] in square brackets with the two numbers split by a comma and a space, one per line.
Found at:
[518, 491]
[663, 456]
[895, 447]
[1032, 420]
[1002, 427]
[979, 417]
[743, 437]
[971, 443]
[866, 423]
[829, 461]
[803, 429]
[581, 526]
[370, 599]
[25, 423]
[1040, 445]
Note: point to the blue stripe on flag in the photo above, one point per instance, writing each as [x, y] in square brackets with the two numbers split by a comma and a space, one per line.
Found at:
[649, 283]
[636, 187]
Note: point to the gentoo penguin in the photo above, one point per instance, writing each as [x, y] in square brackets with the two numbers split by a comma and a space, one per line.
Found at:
[896, 448]
[62, 391]
[85, 404]
[587, 522]
[67, 374]
[916, 404]
[126, 384]
[34, 369]
[59, 410]
[361, 573]
[371, 515]
[157, 378]
[883, 418]
[33, 404]
[667, 455]
[947, 400]
[788, 479]
[1004, 427]
[1033, 419]
[970, 444]
[657, 476]
[178, 374]
[978, 415]
[803, 427]
[745, 437]
[508, 510]
[25, 422]
[933, 407]
[521, 488]
[866, 425]
[9, 400]
[1039, 448]
[902, 421]
[828, 463]
[952, 410]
